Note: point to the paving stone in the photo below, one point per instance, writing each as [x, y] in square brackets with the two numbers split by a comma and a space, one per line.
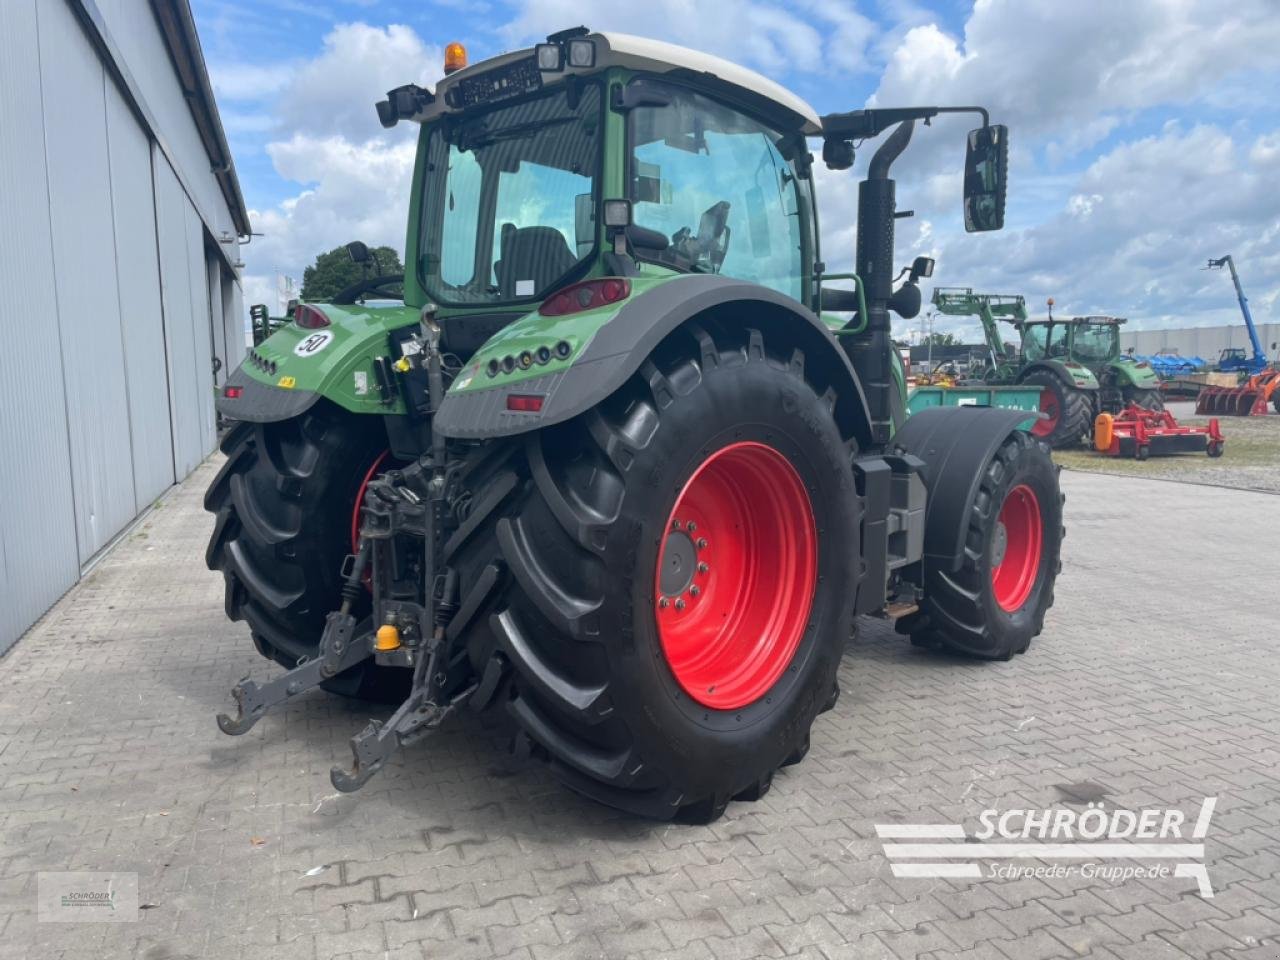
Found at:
[456, 850]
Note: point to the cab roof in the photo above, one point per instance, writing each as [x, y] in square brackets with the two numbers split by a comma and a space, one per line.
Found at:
[650, 56]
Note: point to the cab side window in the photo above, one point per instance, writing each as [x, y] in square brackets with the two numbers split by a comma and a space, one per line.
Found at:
[714, 182]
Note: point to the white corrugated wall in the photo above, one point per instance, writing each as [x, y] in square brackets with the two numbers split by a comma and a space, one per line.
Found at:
[1204, 342]
[38, 559]
[106, 386]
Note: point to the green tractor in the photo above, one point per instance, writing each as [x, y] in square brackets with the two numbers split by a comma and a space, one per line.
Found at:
[1076, 363]
[621, 466]
[263, 324]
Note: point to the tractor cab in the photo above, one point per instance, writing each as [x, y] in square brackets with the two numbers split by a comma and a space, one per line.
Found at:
[603, 155]
[1089, 341]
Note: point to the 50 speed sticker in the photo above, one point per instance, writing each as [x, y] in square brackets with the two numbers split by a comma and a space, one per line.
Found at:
[313, 344]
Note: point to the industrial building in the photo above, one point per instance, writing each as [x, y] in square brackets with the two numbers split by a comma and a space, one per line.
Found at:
[1204, 342]
[119, 257]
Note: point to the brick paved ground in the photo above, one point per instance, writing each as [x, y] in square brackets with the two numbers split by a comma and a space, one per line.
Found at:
[1159, 689]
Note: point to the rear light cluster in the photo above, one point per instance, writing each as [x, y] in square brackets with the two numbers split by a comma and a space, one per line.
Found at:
[232, 392]
[525, 402]
[527, 358]
[586, 295]
[255, 359]
[309, 318]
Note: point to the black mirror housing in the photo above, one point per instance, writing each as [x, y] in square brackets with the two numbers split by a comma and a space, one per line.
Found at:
[986, 175]
[837, 154]
[358, 252]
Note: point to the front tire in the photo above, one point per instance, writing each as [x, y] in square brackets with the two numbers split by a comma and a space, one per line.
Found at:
[575, 564]
[994, 605]
[1144, 398]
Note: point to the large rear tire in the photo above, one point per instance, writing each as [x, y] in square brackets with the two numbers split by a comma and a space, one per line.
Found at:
[1069, 411]
[994, 605]
[284, 502]
[667, 669]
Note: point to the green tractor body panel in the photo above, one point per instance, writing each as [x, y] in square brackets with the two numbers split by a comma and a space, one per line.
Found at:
[335, 362]
[512, 356]
[1138, 374]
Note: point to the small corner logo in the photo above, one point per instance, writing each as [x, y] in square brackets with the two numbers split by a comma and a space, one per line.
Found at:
[1095, 843]
[80, 897]
[287, 382]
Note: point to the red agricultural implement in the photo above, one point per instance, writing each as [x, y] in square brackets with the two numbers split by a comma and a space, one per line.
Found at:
[1249, 399]
[1140, 433]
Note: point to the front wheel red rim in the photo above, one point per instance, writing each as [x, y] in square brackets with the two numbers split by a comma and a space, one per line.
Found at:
[1016, 548]
[736, 575]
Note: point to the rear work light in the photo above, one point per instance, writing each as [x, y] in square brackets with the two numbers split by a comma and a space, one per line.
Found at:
[309, 318]
[525, 402]
[586, 295]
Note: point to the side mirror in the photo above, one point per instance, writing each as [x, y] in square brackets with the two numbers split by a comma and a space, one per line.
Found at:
[986, 173]
[921, 267]
[358, 252]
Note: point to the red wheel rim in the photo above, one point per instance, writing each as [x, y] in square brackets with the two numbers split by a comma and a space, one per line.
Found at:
[1049, 407]
[736, 574]
[374, 469]
[1016, 551]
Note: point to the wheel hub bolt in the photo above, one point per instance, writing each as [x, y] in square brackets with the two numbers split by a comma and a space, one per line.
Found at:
[679, 604]
[692, 526]
[702, 543]
[662, 602]
[694, 590]
[675, 524]
[703, 568]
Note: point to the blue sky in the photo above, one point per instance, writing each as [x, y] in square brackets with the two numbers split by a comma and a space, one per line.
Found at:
[1146, 134]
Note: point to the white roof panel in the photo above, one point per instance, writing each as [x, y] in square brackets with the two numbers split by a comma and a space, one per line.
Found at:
[652, 56]
[641, 53]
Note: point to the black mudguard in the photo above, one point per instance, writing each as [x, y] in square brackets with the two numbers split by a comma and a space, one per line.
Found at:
[261, 402]
[621, 345]
[1054, 367]
[955, 444]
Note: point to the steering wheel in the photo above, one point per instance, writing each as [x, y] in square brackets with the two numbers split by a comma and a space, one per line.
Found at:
[712, 240]
[385, 286]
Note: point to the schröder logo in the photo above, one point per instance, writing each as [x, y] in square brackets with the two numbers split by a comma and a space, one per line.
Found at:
[1108, 844]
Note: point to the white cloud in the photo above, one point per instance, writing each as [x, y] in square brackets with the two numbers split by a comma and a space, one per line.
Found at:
[1134, 233]
[1123, 234]
[353, 176]
[1054, 68]
[335, 92]
[823, 35]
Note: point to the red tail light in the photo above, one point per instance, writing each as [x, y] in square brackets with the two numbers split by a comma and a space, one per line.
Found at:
[525, 402]
[586, 295]
[308, 317]
[232, 393]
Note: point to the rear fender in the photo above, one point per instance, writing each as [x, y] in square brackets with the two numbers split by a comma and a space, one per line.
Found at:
[1139, 374]
[955, 444]
[608, 345]
[294, 367]
[1073, 374]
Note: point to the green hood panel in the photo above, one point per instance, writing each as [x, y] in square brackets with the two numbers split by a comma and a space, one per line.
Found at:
[334, 361]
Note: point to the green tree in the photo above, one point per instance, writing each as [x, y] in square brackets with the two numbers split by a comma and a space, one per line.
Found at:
[334, 271]
[939, 339]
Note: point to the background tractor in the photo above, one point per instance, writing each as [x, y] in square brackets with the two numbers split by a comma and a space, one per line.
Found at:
[621, 465]
[1077, 363]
